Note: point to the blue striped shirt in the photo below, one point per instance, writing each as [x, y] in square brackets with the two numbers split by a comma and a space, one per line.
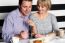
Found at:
[14, 24]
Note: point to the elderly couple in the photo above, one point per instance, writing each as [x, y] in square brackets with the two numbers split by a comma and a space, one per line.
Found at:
[18, 21]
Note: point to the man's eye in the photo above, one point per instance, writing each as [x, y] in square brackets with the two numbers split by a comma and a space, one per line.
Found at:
[24, 6]
[30, 6]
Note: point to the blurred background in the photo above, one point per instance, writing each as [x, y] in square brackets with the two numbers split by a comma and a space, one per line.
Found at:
[58, 9]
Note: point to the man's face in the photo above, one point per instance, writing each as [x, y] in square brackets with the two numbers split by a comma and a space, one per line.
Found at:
[25, 7]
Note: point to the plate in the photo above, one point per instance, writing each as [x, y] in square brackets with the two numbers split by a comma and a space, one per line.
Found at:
[37, 40]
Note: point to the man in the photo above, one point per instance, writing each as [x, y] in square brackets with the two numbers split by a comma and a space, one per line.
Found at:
[16, 21]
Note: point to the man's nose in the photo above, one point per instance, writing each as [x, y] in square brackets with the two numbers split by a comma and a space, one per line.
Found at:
[27, 8]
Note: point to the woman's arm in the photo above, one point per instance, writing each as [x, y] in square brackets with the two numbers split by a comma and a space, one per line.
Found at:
[54, 23]
[31, 23]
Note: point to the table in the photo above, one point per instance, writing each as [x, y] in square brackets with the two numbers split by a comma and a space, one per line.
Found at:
[55, 40]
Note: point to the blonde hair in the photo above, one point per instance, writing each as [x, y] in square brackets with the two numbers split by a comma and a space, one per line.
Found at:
[46, 3]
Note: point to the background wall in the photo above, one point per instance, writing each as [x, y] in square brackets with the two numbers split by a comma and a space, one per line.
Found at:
[58, 9]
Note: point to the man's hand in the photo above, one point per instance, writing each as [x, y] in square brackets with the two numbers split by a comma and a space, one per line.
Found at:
[24, 35]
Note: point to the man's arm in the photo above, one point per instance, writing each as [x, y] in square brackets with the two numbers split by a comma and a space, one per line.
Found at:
[7, 30]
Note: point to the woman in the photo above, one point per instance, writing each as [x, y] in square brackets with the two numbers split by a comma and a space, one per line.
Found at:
[42, 21]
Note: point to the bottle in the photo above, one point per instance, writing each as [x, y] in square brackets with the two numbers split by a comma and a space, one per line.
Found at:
[30, 32]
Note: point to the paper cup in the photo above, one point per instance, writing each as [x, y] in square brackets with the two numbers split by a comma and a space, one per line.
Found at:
[15, 40]
[61, 32]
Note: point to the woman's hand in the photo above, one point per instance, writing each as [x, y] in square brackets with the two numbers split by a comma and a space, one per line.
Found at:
[31, 23]
[39, 35]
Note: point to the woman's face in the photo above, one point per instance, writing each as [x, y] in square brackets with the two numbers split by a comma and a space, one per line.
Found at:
[42, 9]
